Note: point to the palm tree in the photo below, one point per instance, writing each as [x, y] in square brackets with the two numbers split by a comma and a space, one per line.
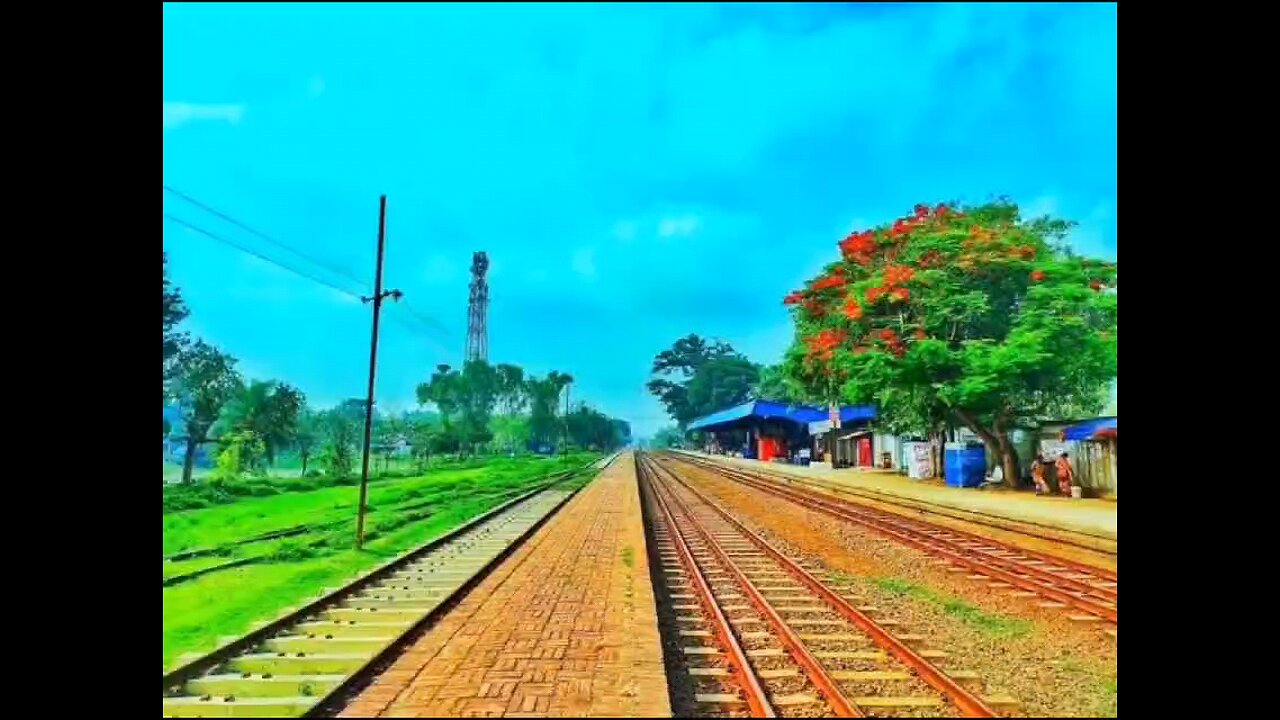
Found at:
[269, 410]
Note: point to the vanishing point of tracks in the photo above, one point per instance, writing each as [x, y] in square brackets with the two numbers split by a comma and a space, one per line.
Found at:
[1064, 582]
[763, 636]
[307, 661]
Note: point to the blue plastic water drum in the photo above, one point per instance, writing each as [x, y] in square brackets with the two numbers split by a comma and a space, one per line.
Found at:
[964, 466]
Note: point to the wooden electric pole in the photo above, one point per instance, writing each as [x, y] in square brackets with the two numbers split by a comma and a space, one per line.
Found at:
[564, 441]
[378, 297]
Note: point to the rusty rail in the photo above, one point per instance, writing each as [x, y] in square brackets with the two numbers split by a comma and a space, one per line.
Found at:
[757, 702]
[1023, 577]
[971, 705]
[771, 477]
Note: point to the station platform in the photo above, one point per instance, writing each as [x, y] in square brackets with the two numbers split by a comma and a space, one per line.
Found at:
[565, 626]
[1093, 518]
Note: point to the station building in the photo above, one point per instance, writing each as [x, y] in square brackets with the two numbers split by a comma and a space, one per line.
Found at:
[766, 430]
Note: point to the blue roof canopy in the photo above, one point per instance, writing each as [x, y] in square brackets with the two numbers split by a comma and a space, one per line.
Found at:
[769, 409]
[1087, 429]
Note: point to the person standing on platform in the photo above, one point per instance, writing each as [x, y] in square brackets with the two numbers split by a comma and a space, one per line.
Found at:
[1037, 475]
[1065, 474]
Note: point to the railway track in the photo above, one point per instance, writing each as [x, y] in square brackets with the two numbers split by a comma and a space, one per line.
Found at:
[764, 636]
[310, 658]
[1063, 582]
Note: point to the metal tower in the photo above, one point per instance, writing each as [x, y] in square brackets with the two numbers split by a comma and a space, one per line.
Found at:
[478, 310]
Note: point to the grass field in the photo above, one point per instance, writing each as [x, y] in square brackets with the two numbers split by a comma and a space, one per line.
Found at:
[290, 465]
[281, 572]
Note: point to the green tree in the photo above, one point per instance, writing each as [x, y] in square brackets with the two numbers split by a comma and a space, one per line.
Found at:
[307, 435]
[465, 400]
[241, 451]
[175, 311]
[775, 384]
[709, 377]
[343, 426]
[204, 380]
[982, 317]
[621, 431]
[544, 402]
[510, 431]
[592, 429]
[668, 437]
[512, 398]
[269, 410]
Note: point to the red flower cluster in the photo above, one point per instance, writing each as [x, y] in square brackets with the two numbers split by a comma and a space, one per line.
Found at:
[815, 308]
[852, 309]
[1026, 252]
[1037, 275]
[823, 344]
[1096, 285]
[831, 281]
[920, 334]
[859, 247]
[793, 298]
[890, 338]
[895, 275]
[903, 226]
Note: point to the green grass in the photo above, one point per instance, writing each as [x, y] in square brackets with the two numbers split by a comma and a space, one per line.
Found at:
[999, 626]
[1110, 705]
[247, 517]
[291, 570]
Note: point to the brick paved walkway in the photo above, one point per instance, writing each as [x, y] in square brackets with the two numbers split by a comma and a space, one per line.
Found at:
[566, 626]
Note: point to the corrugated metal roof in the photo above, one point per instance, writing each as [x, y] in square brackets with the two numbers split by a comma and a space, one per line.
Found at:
[769, 409]
[1089, 428]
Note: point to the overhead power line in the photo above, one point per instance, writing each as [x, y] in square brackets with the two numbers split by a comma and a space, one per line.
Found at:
[426, 322]
[258, 255]
[218, 213]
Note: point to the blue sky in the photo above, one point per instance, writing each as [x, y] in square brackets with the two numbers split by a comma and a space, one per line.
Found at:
[636, 173]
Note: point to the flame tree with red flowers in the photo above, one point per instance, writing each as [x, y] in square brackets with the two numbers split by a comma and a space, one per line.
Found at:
[969, 316]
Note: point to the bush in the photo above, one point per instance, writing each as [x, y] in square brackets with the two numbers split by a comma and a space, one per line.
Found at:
[291, 551]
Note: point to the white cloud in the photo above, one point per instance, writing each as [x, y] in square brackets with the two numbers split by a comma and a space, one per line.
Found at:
[584, 262]
[177, 114]
[678, 226]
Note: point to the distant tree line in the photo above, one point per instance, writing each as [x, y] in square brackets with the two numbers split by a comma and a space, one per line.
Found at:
[478, 410]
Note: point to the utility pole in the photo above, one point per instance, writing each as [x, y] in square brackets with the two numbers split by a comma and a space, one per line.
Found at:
[378, 297]
[564, 442]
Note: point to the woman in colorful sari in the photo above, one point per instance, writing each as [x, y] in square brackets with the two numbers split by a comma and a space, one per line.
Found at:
[1065, 474]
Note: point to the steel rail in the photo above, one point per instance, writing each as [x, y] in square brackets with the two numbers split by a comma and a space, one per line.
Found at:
[810, 500]
[1028, 528]
[1013, 578]
[968, 703]
[769, 477]
[202, 664]
[757, 702]
[826, 685]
